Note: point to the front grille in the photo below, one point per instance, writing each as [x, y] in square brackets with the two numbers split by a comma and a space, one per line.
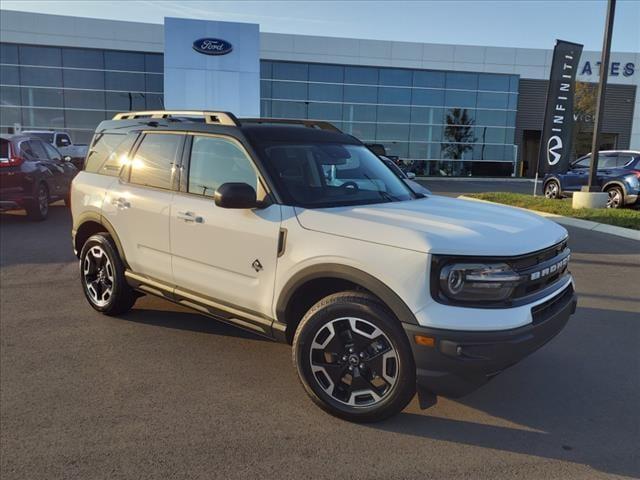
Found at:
[546, 309]
[541, 269]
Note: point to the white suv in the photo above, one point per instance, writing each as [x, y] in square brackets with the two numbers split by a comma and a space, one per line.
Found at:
[296, 231]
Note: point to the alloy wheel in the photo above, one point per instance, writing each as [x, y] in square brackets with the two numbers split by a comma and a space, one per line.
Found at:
[354, 362]
[551, 190]
[98, 275]
[615, 198]
[43, 201]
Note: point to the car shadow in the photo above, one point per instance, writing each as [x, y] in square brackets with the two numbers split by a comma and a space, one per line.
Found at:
[572, 401]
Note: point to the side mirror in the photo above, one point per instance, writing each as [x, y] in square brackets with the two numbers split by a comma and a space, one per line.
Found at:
[411, 175]
[235, 195]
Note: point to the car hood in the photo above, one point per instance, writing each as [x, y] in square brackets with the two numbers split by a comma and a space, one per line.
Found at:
[439, 225]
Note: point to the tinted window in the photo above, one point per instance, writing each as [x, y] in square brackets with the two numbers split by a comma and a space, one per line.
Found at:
[42, 97]
[9, 54]
[83, 79]
[37, 148]
[365, 75]
[326, 73]
[52, 153]
[82, 58]
[623, 160]
[389, 76]
[37, 76]
[428, 79]
[106, 154]
[607, 161]
[154, 161]
[215, 161]
[4, 148]
[124, 61]
[32, 55]
[583, 163]
[290, 71]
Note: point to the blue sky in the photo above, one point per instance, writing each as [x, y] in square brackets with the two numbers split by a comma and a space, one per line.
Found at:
[523, 23]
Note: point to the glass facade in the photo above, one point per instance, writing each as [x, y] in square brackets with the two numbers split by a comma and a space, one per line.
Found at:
[73, 89]
[438, 122]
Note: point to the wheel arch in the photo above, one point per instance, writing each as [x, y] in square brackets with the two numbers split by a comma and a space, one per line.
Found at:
[315, 282]
[91, 223]
[615, 183]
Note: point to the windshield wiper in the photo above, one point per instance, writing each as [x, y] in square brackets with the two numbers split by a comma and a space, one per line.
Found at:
[386, 196]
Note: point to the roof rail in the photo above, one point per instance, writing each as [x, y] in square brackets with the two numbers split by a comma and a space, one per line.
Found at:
[219, 118]
[319, 124]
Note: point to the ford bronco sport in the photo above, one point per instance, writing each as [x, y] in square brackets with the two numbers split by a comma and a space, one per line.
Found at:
[296, 231]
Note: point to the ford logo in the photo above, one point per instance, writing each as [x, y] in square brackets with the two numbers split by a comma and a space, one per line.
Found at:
[212, 46]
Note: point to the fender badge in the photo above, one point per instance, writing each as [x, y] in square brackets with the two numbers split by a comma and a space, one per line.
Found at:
[257, 266]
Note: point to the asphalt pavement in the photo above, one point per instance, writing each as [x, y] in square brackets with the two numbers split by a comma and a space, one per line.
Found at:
[164, 392]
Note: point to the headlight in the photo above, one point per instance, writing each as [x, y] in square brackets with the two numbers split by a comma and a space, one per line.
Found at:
[469, 282]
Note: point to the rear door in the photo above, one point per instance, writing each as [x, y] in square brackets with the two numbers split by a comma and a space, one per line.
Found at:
[577, 175]
[139, 204]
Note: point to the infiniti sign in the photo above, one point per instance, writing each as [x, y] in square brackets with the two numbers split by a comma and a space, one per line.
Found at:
[554, 149]
[212, 46]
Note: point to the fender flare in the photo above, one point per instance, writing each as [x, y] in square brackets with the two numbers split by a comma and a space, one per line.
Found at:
[100, 219]
[617, 183]
[333, 270]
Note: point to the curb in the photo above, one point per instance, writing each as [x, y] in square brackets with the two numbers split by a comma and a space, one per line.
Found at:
[574, 222]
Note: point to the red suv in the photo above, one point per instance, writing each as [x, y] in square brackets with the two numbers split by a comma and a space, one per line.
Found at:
[32, 175]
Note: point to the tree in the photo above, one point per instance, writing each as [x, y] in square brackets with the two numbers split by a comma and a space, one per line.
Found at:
[458, 134]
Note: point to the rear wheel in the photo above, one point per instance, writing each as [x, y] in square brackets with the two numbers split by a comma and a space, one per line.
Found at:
[102, 276]
[354, 359]
[616, 197]
[552, 189]
[38, 208]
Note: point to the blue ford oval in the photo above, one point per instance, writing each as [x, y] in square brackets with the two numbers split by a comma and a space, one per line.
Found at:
[212, 46]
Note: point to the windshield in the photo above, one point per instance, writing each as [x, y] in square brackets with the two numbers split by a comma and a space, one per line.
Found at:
[47, 137]
[316, 175]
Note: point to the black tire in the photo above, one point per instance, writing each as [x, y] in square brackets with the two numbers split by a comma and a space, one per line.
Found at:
[616, 197]
[552, 190]
[38, 208]
[393, 395]
[102, 276]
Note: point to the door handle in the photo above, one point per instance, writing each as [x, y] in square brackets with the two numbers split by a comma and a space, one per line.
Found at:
[120, 203]
[190, 217]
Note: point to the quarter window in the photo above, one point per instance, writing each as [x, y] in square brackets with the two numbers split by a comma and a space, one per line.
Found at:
[215, 161]
[155, 160]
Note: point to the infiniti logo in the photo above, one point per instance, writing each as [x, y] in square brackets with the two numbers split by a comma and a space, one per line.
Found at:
[554, 149]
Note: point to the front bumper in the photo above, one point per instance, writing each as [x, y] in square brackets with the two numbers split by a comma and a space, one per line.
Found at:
[461, 361]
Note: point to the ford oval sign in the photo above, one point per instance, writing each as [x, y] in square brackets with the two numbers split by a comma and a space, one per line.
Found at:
[212, 46]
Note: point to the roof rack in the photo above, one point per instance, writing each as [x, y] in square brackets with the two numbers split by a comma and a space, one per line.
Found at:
[318, 124]
[219, 118]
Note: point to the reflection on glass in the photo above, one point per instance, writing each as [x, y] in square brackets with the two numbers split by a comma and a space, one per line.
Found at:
[458, 134]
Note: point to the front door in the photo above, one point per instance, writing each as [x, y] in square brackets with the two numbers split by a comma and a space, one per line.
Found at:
[226, 255]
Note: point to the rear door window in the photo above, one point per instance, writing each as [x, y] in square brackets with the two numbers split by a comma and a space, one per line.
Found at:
[109, 153]
[52, 153]
[607, 161]
[155, 160]
[623, 160]
[38, 151]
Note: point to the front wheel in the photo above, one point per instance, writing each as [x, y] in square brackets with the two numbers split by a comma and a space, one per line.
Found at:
[354, 359]
[552, 189]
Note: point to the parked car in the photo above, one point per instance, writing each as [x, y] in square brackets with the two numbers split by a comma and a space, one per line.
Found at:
[618, 174]
[61, 140]
[304, 236]
[32, 175]
[406, 177]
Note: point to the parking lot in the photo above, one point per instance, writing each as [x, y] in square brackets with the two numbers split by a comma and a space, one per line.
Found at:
[163, 392]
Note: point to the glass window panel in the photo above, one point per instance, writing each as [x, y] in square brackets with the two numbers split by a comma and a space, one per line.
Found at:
[359, 113]
[426, 133]
[154, 62]
[36, 55]
[514, 83]
[131, 61]
[106, 154]
[510, 134]
[391, 132]
[397, 149]
[511, 119]
[495, 118]
[84, 99]
[125, 101]
[83, 79]
[427, 97]
[81, 136]
[397, 96]
[362, 131]
[394, 114]
[289, 109]
[154, 83]
[133, 82]
[10, 96]
[154, 101]
[289, 90]
[265, 89]
[290, 71]
[460, 116]
[427, 115]
[42, 97]
[42, 117]
[325, 111]
[363, 75]
[424, 78]
[154, 160]
[493, 100]
[513, 101]
[424, 151]
[326, 73]
[457, 98]
[265, 108]
[490, 134]
[356, 93]
[9, 116]
[509, 153]
[83, 118]
[326, 92]
[9, 54]
[47, 77]
[215, 161]
[463, 80]
[266, 69]
[497, 83]
[82, 58]
[398, 77]
[9, 76]
[488, 152]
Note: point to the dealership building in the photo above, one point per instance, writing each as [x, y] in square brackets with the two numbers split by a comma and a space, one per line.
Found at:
[445, 109]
